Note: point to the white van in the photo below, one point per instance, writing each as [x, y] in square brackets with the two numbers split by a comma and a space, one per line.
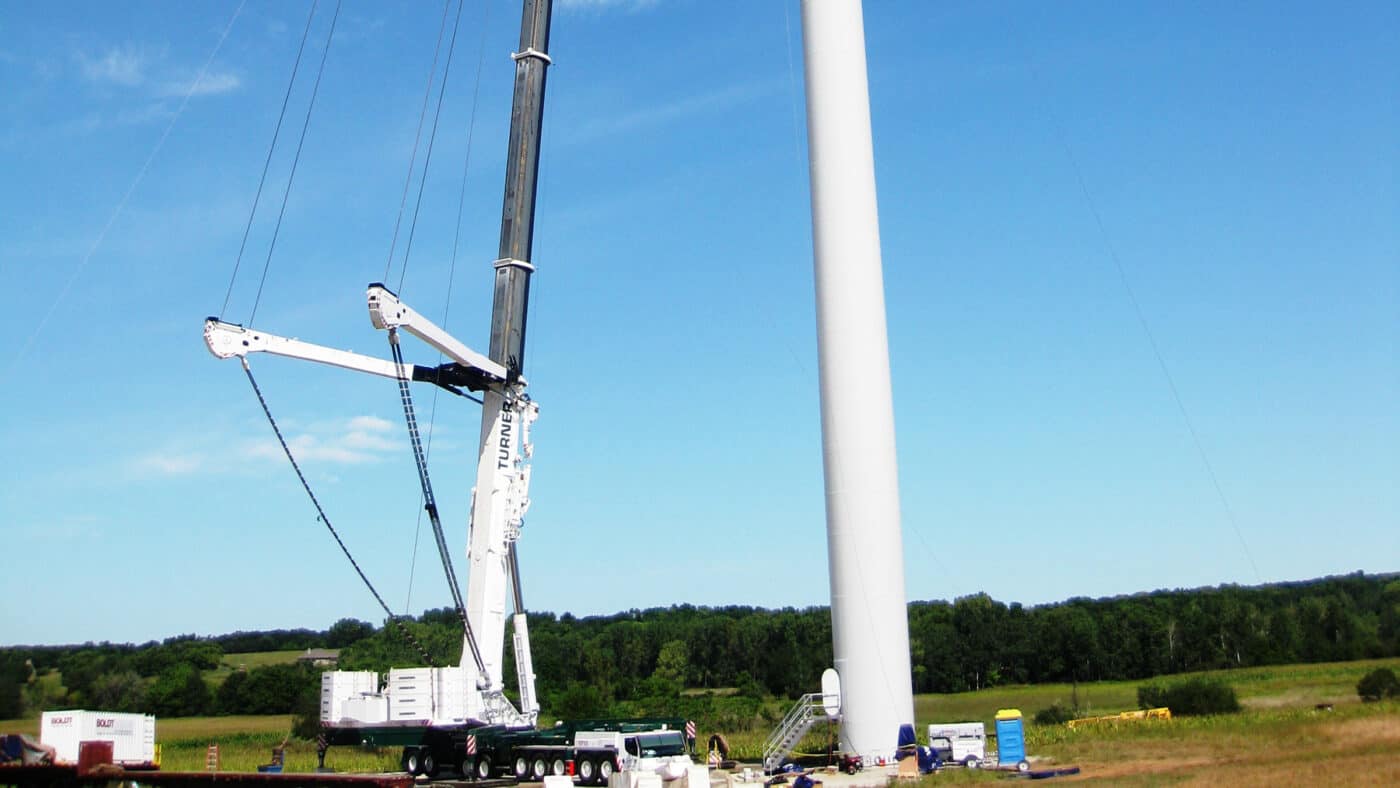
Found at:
[959, 742]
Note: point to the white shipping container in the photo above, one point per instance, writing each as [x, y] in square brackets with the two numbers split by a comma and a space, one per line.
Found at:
[338, 686]
[449, 696]
[449, 710]
[367, 709]
[133, 736]
[449, 675]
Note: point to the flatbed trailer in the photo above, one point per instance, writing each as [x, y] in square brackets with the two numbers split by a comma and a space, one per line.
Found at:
[481, 753]
[429, 750]
[578, 748]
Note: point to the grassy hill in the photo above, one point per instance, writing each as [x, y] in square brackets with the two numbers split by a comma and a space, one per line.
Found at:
[1272, 687]
[256, 659]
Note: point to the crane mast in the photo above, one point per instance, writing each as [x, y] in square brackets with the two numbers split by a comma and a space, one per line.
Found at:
[506, 413]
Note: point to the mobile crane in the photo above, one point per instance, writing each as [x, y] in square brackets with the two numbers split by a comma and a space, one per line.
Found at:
[501, 499]
[459, 717]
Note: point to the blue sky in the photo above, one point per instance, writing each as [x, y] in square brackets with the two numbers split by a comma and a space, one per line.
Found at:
[1041, 167]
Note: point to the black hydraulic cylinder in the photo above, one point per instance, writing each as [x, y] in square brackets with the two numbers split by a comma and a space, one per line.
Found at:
[512, 291]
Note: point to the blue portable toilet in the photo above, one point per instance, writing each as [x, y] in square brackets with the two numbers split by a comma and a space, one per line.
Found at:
[1011, 740]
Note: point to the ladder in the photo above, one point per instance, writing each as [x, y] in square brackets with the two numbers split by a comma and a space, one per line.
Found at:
[790, 731]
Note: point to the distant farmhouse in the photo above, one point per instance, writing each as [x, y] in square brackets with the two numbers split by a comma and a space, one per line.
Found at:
[320, 657]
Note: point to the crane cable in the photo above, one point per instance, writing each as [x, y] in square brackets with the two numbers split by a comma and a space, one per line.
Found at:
[429, 502]
[417, 137]
[296, 159]
[452, 268]
[432, 138]
[321, 515]
[267, 163]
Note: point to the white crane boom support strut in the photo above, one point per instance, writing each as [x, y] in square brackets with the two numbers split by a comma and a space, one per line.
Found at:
[387, 311]
[228, 340]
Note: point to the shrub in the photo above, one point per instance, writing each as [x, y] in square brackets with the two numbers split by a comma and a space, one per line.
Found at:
[306, 712]
[1055, 714]
[1196, 696]
[580, 701]
[1379, 683]
[1152, 696]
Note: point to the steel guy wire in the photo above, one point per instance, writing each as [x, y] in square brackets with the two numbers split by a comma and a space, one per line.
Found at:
[121, 204]
[267, 164]
[321, 515]
[432, 139]
[429, 502]
[417, 137]
[296, 159]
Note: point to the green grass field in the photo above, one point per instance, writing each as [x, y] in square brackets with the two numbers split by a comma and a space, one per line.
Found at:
[1274, 687]
[1278, 705]
[1279, 738]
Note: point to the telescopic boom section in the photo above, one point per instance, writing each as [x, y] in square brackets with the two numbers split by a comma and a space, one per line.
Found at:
[513, 267]
[497, 512]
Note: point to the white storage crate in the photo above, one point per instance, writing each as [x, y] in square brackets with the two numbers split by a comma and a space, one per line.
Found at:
[133, 736]
[339, 686]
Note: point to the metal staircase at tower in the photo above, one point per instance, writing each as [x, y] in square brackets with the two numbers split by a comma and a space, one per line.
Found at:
[800, 718]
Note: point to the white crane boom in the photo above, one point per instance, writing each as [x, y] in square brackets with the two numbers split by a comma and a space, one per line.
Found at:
[499, 500]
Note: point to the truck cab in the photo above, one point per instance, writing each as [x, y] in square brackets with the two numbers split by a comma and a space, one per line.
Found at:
[661, 752]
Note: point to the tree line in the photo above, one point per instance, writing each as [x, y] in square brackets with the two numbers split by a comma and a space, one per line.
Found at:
[662, 659]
